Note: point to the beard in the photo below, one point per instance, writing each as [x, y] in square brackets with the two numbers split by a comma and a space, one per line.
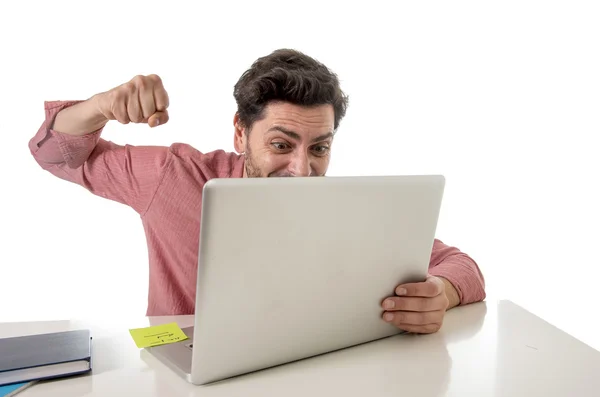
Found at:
[254, 171]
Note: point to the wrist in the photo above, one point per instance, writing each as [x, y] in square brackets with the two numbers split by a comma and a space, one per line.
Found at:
[96, 113]
[451, 294]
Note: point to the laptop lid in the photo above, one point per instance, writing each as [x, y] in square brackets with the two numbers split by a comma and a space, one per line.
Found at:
[295, 267]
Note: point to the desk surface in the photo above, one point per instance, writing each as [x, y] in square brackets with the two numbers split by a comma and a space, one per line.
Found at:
[484, 349]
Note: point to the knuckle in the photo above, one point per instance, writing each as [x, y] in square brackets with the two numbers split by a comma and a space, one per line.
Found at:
[117, 95]
[126, 89]
[154, 78]
[440, 302]
[445, 302]
[138, 82]
[434, 289]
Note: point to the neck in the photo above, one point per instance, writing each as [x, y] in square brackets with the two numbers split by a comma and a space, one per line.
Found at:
[245, 173]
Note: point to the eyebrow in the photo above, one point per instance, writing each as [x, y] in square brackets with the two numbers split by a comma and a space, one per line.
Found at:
[296, 136]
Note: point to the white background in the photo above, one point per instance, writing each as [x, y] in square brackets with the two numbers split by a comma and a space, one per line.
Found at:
[500, 97]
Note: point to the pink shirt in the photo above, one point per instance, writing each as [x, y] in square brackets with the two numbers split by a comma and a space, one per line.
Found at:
[164, 186]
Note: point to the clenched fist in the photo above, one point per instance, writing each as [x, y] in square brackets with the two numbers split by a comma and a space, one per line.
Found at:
[143, 99]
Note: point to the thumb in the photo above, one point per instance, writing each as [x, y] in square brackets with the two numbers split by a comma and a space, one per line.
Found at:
[158, 118]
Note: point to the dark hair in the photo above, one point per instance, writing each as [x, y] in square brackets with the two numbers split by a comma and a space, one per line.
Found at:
[290, 76]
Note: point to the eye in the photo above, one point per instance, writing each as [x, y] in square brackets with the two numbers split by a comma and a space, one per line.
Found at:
[321, 150]
[280, 146]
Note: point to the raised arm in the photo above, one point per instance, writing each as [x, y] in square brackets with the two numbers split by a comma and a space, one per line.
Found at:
[68, 143]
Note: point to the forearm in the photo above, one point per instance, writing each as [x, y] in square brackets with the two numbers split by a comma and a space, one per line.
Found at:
[80, 119]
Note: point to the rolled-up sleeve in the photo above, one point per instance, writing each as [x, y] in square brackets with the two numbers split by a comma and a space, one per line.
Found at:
[50, 147]
[460, 270]
[124, 173]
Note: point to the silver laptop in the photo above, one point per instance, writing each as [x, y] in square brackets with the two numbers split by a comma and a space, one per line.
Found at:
[291, 268]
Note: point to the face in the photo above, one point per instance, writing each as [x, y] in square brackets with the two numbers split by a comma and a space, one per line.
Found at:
[290, 140]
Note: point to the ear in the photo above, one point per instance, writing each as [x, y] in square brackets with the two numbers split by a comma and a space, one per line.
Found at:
[239, 135]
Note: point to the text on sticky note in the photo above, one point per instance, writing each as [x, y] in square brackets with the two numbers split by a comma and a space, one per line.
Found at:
[157, 335]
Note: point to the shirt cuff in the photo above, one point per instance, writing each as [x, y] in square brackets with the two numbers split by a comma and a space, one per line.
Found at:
[53, 147]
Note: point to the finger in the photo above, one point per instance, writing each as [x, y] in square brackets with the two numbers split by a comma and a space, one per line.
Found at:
[413, 304]
[146, 100]
[119, 110]
[158, 118]
[414, 318]
[432, 286]
[134, 109]
[161, 98]
[420, 329]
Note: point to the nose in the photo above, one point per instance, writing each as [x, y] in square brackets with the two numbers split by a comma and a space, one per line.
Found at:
[300, 165]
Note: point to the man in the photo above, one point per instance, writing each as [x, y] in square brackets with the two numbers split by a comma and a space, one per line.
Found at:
[289, 109]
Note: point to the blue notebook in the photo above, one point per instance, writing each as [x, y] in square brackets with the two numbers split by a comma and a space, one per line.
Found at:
[12, 390]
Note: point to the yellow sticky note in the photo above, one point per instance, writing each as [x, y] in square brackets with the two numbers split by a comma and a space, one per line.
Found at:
[157, 335]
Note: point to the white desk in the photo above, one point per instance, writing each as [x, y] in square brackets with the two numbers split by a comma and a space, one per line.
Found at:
[485, 349]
